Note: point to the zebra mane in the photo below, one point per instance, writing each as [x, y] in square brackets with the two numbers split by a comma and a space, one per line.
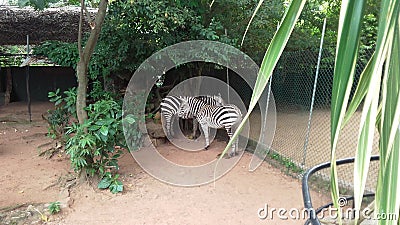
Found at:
[216, 98]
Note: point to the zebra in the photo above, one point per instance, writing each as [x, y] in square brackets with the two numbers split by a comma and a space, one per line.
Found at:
[226, 116]
[170, 106]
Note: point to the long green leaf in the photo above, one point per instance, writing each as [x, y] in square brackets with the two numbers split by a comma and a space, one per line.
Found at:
[251, 19]
[388, 190]
[270, 60]
[386, 45]
[369, 116]
[390, 98]
[364, 147]
[361, 91]
[351, 14]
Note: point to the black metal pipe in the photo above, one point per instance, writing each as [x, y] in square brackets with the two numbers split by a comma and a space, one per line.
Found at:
[306, 190]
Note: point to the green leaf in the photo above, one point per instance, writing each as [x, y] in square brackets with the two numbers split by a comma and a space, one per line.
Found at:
[94, 128]
[388, 189]
[116, 187]
[389, 184]
[130, 119]
[104, 130]
[54, 207]
[361, 91]
[350, 23]
[51, 94]
[104, 183]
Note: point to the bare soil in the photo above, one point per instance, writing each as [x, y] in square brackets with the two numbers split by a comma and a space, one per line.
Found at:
[29, 182]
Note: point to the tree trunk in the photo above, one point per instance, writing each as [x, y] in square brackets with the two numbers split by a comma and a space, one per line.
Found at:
[84, 59]
[81, 72]
[83, 64]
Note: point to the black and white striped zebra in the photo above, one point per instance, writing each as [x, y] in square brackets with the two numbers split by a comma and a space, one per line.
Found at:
[170, 106]
[226, 116]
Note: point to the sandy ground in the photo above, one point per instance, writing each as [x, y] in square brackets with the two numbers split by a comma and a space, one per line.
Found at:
[233, 199]
[290, 138]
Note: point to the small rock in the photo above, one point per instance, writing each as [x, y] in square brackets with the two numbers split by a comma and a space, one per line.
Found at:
[30, 208]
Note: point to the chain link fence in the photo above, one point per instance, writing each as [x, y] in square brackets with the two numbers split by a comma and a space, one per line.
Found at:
[303, 135]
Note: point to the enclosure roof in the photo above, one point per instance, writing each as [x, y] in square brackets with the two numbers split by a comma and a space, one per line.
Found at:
[50, 24]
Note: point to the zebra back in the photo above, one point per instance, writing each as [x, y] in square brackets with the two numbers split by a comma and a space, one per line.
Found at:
[194, 104]
[171, 105]
[226, 116]
[190, 107]
[220, 116]
[211, 99]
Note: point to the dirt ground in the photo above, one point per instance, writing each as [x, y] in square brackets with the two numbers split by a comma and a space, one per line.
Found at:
[29, 182]
[293, 126]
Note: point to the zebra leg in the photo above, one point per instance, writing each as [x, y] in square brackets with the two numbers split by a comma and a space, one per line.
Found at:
[171, 127]
[166, 125]
[205, 128]
[195, 125]
[236, 145]
[233, 151]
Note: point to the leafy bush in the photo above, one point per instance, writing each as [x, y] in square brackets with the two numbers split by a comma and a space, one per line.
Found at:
[132, 118]
[54, 207]
[59, 118]
[91, 145]
[96, 145]
[64, 54]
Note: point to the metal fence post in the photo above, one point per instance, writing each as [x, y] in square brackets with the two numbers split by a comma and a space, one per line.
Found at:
[313, 95]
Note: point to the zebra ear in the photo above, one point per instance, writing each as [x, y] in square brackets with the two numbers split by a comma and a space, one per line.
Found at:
[219, 98]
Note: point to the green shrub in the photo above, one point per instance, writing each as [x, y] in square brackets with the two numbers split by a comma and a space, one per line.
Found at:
[92, 145]
[96, 145]
[54, 207]
[65, 109]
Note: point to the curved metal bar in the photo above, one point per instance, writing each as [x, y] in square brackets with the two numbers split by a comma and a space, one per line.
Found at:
[306, 190]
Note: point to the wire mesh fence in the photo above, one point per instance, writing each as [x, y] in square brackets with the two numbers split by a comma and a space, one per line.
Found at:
[302, 135]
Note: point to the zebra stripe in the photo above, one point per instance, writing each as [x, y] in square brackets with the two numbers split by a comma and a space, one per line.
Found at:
[225, 116]
[170, 106]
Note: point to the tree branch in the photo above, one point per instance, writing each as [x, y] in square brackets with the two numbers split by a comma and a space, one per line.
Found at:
[89, 18]
[80, 30]
[94, 34]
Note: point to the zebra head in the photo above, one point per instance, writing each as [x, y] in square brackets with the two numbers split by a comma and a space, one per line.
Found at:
[184, 109]
[218, 100]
